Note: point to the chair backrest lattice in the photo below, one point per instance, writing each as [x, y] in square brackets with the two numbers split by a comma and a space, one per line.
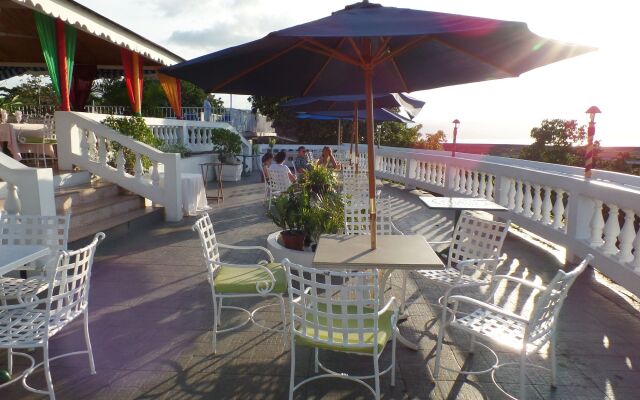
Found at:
[546, 310]
[334, 307]
[349, 171]
[357, 220]
[477, 238]
[278, 180]
[210, 249]
[50, 231]
[67, 297]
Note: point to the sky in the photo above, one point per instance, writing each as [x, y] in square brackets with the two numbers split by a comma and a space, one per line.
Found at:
[502, 111]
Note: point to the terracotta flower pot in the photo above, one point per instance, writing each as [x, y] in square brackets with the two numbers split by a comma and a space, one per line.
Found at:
[293, 240]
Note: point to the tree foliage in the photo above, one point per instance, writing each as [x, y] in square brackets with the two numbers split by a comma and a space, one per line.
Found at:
[34, 91]
[558, 141]
[433, 141]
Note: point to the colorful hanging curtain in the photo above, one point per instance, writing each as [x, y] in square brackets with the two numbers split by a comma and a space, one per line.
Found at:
[46, 27]
[58, 43]
[133, 77]
[83, 76]
[171, 87]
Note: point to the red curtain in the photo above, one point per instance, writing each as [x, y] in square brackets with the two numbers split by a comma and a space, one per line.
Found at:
[133, 76]
[83, 76]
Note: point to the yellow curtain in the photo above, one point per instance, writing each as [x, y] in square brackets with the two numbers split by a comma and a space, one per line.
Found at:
[171, 87]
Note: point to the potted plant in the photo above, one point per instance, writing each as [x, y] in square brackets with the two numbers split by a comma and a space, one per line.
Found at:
[227, 146]
[319, 179]
[289, 212]
[325, 215]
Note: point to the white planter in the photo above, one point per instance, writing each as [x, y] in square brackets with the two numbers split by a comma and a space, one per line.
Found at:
[280, 252]
[231, 173]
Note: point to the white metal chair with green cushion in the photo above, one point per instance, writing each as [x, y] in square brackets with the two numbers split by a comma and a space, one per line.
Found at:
[229, 280]
[340, 311]
[515, 332]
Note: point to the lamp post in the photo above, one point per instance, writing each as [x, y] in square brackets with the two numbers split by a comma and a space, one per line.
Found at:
[455, 136]
[591, 131]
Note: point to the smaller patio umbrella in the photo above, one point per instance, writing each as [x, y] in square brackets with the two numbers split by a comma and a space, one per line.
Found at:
[379, 114]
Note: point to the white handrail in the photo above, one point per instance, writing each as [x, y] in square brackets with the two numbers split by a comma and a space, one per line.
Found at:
[85, 142]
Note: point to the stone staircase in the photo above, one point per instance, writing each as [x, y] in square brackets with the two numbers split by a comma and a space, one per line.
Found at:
[100, 206]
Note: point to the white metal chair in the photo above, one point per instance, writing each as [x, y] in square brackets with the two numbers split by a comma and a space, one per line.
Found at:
[357, 221]
[16, 229]
[524, 334]
[340, 311]
[278, 182]
[48, 138]
[228, 280]
[474, 254]
[267, 187]
[34, 321]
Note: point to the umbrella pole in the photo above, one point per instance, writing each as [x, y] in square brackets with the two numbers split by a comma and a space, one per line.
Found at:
[339, 133]
[368, 91]
[356, 132]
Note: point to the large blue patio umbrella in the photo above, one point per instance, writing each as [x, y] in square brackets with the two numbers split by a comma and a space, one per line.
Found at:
[355, 101]
[367, 48]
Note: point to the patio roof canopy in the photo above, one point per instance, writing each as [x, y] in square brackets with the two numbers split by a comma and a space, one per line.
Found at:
[99, 39]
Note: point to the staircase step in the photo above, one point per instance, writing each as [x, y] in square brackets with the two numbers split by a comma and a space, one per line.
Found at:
[73, 196]
[117, 225]
[65, 179]
[87, 214]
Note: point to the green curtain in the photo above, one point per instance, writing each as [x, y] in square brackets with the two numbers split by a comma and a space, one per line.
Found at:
[46, 28]
[70, 41]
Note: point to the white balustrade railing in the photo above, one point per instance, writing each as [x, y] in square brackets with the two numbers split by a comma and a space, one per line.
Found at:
[92, 146]
[600, 216]
[108, 110]
[24, 189]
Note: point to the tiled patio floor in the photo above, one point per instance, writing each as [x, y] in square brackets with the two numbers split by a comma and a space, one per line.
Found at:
[151, 317]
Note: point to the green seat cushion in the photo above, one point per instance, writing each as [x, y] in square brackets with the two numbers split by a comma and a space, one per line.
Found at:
[37, 140]
[244, 280]
[385, 332]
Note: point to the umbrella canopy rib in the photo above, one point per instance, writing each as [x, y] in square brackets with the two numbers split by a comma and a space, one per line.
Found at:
[475, 56]
[258, 65]
[319, 73]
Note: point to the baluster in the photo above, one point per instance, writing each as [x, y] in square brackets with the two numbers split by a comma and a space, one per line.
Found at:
[511, 201]
[483, 185]
[422, 171]
[519, 197]
[627, 235]
[444, 174]
[92, 150]
[636, 253]
[476, 184]
[137, 168]
[528, 200]
[83, 143]
[427, 172]
[463, 180]
[155, 175]
[490, 187]
[438, 174]
[120, 162]
[12, 204]
[456, 179]
[102, 151]
[596, 225]
[537, 203]
[611, 231]
[558, 210]
[546, 206]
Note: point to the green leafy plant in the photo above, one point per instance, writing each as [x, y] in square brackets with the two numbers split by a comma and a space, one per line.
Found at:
[176, 148]
[290, 209]
[136, 128]
[10, 103]
[272, 142]
[319, 179]
[227, 145]
[326, 215]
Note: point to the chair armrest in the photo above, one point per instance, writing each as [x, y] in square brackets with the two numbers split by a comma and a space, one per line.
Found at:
[445, 242]
[246, 248]
[297, 300]
[395, 229]
[470, 263]
[487, 306]
[521, 281]
[391, 304]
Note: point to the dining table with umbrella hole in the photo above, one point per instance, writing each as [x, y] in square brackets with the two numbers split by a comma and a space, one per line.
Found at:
[367, 48]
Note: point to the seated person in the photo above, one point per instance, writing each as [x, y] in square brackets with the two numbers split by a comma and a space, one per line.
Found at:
[327, 159]
[301, 163]
[267, 159]
[279, 165]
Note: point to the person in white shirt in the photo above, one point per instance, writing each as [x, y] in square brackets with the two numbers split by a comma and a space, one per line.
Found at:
[279, 165]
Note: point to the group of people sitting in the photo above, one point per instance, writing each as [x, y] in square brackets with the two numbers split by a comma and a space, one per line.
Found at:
[301, 162]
